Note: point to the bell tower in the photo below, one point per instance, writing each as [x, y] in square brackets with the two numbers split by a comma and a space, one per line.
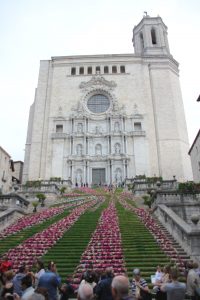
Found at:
[150, 37]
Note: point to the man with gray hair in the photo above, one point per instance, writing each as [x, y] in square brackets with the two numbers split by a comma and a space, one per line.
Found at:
[85, 292]
[120, 288]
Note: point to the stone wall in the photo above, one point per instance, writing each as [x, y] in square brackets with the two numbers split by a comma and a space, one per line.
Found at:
[175, 211]
[9, 216]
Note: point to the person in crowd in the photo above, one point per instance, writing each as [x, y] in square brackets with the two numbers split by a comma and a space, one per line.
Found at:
[36, 296]
[17, 279]
[159, 274]
[51, 281]
[161, 295]
[85, 292]
[65, 291]
[175, 290]
[193, 281]
[89, 277]
[120, 288]
[27, 287]
[5, 266]
[39, 273]
[43, 292]
[196, 268]
[103, 289]
[139, 286]
[8, 284]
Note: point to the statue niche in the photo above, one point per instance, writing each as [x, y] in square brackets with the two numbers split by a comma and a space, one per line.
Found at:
[117, 148]
[98, 149]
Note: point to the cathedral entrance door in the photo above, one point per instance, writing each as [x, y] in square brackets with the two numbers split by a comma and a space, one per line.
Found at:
[98, 176]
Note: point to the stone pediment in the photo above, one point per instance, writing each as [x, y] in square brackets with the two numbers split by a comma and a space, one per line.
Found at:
[97, 81]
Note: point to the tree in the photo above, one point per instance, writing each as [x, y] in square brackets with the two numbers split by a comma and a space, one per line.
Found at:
[41, 197]
[62, 190]
[35, 204]
[148, 200]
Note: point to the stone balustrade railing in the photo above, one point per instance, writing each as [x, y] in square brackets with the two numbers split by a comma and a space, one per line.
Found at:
[13, 201]
[188, 235]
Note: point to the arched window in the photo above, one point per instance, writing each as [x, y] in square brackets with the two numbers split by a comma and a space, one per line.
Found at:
[153, 36]
[114, 69]
[73, 71]
[122, 69]
[89, 70]
[106, 69]
[98, 149]
[79, 149]
[98, 69]
[81, 70]
[141, 40]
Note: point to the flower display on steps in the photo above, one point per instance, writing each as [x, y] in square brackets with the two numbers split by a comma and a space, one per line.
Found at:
[104, 249]
[164, 242]
[34, 219]
[37, 245]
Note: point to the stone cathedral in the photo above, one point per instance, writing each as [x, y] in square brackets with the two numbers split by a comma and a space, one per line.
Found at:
[99, 119]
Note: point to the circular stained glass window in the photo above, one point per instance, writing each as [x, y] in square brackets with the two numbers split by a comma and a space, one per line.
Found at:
[98, 103]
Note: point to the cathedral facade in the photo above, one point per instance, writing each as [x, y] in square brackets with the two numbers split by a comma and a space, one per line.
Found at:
[100, 119]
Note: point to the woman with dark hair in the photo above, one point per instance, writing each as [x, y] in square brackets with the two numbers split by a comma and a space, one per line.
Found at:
[8, 286]
[40, 271]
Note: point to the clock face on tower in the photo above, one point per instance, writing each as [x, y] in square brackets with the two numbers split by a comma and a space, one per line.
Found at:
[98, 103]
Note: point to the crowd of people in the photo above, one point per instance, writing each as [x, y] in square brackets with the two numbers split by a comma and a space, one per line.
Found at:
[45, 284]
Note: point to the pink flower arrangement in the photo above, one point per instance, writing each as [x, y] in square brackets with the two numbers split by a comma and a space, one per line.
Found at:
[34, 219]
[38, 244]
[104, 249]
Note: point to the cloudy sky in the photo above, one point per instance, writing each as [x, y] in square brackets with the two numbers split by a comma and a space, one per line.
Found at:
[33, 30]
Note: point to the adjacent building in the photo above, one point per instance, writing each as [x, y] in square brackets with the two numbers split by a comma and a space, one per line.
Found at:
[103, 118]
[194, 153]
[6, 170]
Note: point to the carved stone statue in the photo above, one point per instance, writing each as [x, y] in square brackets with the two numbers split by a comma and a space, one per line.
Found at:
[80, 128]
[116, 127]
[117, 148]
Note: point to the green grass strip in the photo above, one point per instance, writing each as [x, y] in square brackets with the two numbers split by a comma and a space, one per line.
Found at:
[139, 247]
[68, 250]
[13, 240]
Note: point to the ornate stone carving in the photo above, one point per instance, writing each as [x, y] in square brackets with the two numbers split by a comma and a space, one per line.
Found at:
[97, 81]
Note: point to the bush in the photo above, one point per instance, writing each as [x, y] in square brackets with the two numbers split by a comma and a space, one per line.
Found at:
[189, 187]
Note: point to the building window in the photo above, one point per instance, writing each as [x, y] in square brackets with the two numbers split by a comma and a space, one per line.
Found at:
[153, 36]
[97, 69]
[59, 128]
[114, 69]
[89, 70]
[122, 69]
[137, 126]
[81, 71]
[106, 70]
[98, 103]
[73, 71]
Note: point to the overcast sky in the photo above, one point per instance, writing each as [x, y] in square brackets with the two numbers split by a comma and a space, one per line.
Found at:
[33, 30]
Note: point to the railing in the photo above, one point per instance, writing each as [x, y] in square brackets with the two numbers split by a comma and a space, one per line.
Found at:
[187, 235]
[13, 200]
